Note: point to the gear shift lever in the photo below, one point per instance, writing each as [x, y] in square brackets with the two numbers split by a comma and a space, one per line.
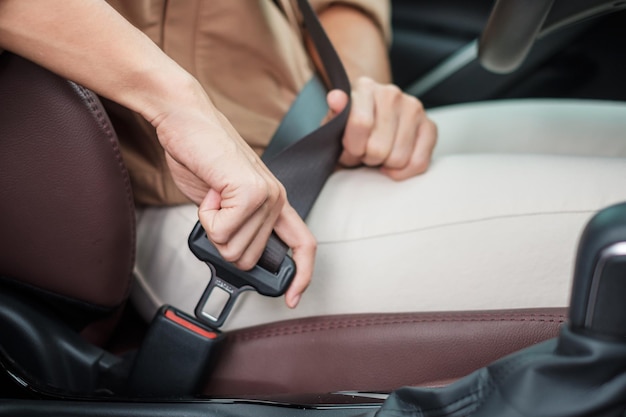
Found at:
[598, 303]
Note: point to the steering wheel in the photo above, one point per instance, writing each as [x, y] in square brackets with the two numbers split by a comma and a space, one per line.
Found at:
[510, 32]
[514, 25]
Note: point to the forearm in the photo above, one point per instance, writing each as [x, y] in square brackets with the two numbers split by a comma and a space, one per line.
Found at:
[90, 43]
[358, 41]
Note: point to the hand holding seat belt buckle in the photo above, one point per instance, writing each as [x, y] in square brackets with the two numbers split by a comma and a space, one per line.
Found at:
[228, 282]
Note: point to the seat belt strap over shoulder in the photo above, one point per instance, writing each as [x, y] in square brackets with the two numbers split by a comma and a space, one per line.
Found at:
[303, 167]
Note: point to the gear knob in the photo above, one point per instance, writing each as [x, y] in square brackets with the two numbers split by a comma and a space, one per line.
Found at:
[598, 303]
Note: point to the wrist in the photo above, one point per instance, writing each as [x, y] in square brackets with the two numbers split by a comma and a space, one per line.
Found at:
[156, 86]
[159, 93]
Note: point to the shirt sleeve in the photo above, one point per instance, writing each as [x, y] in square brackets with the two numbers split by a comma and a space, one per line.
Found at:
[378, 10]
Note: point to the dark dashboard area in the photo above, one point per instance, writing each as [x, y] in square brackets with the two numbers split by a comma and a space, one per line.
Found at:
[586, 59]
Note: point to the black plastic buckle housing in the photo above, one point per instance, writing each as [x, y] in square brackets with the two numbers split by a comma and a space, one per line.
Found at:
[175, 358]
[227, 281]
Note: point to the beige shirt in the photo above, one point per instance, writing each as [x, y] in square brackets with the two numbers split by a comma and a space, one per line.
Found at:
[248, 54]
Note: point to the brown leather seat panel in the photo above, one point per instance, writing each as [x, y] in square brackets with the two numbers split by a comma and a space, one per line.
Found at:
[66, 209]
[373, 352]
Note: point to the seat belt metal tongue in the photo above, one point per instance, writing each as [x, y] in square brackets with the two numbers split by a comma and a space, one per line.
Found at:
[228, 282]
[302, 167]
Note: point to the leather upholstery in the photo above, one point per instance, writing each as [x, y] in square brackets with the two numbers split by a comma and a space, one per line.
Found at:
[66, 209]
[373, 352]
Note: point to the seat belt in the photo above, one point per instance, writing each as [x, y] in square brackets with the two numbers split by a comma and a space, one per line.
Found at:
[307, 111]
[303, 168]
[304, 116]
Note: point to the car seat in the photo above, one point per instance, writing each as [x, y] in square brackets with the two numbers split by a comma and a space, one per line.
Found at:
[66, 263]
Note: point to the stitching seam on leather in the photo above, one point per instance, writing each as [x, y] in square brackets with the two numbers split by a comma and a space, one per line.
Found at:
[336, 325]
[103, 123]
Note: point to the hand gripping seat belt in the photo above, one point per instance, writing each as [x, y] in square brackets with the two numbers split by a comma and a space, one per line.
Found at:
[303, 167]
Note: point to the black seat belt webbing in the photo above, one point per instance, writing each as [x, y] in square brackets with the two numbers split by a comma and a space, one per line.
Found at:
[304, 167]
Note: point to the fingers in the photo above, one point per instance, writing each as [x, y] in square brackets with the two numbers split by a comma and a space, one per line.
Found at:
[337, 101]
[388, 128]
[294, 232]
[246, 246]
[242, 240]
[411, 115]
[361, 120]
[420, 158]
[241, 223]
[383, 135]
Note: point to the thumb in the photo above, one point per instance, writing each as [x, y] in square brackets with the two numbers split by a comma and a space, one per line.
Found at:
[337, 100]
[212, 201]
[209, 209]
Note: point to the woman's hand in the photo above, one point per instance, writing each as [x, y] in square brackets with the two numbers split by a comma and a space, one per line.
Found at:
[240, 201]
[386, 128]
